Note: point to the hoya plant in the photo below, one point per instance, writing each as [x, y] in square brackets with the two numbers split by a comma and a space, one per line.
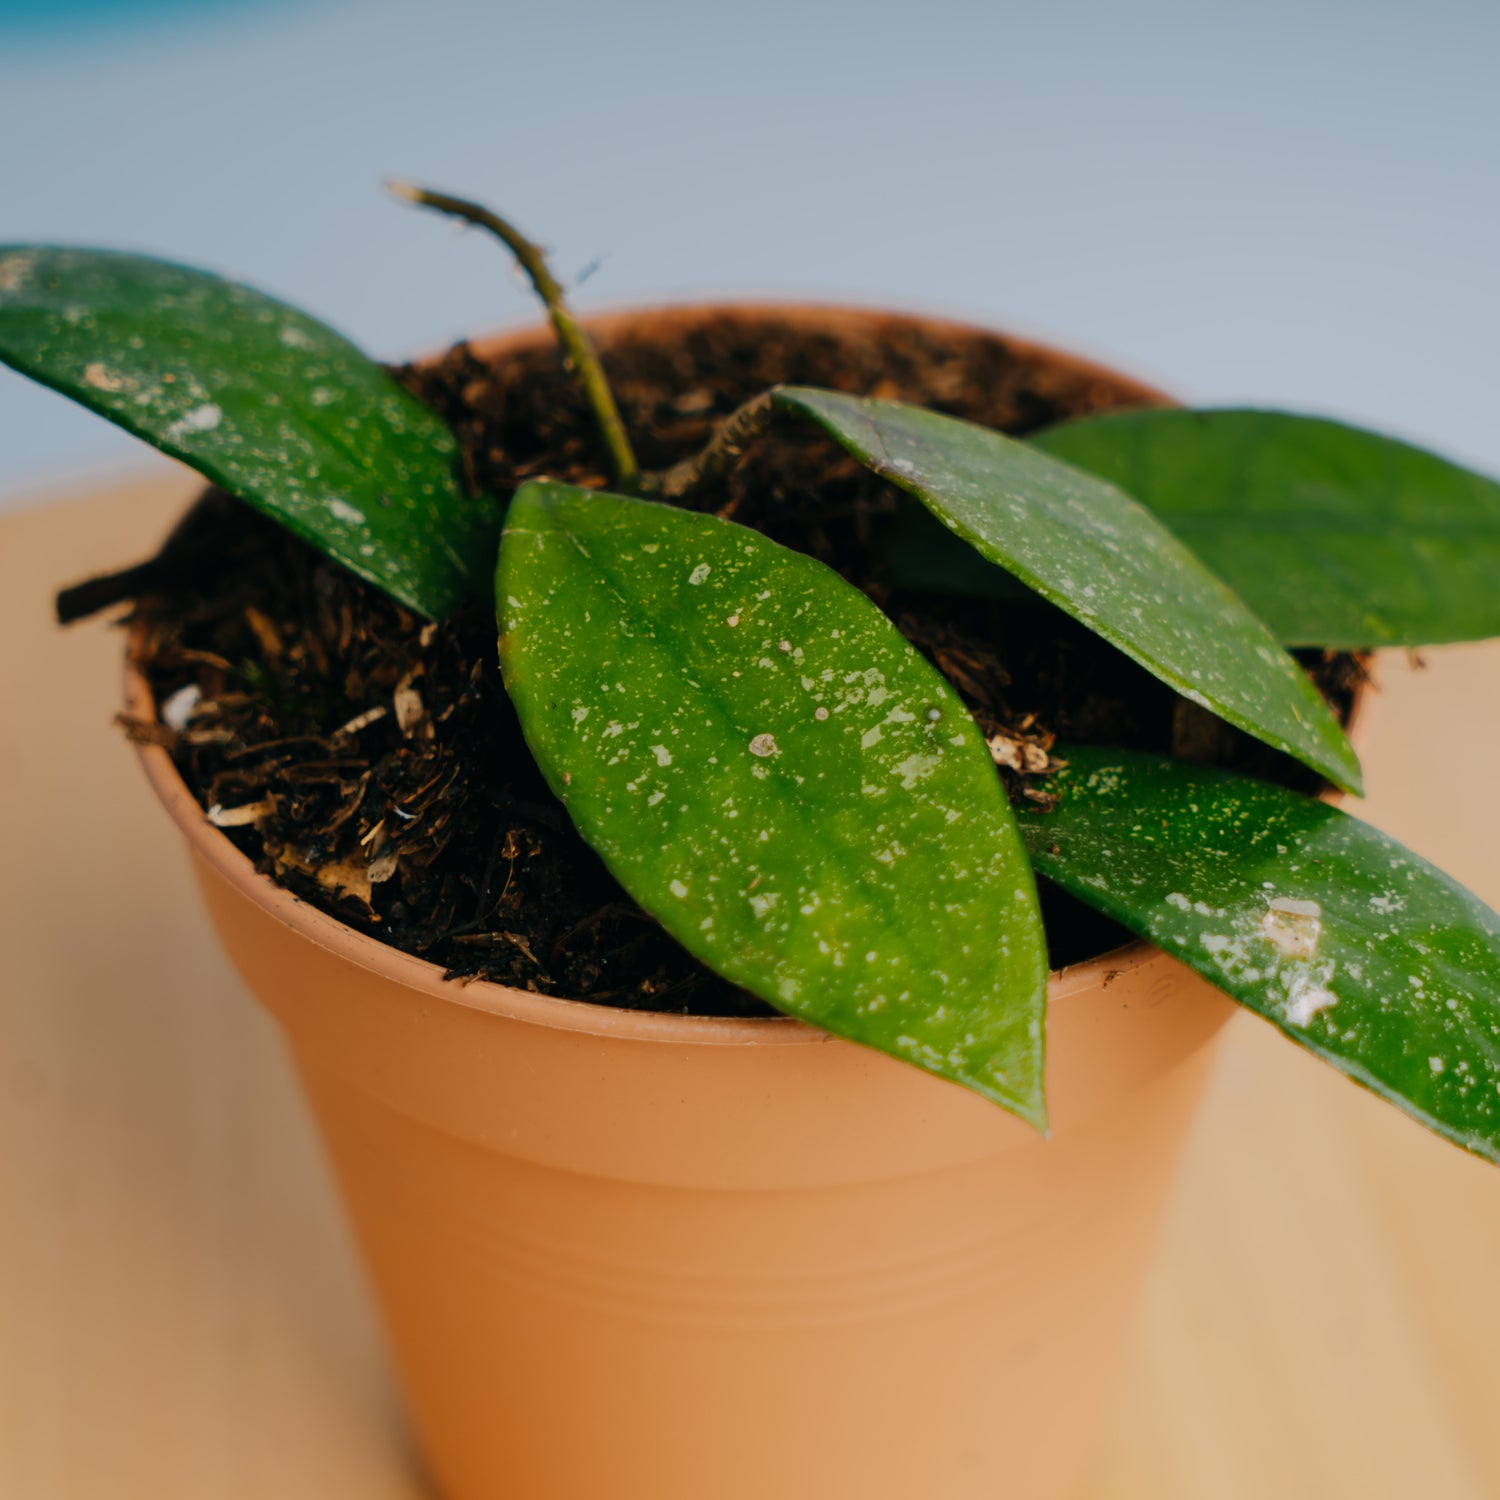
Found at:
[782, 780]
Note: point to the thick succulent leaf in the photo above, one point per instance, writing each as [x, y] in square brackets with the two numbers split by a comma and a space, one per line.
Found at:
[774, 773]
[1355, 947]
[1333, 536]
[1094, 552]
[268, 403]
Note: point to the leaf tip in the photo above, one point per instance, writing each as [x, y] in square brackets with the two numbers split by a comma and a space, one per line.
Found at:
[1031, 1108]
[1028, 1104]
[1348, 775]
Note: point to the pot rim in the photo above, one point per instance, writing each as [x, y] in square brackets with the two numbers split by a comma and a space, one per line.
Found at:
[211, 845]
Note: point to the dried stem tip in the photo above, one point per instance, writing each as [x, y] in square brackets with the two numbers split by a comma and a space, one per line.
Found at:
[576, 344]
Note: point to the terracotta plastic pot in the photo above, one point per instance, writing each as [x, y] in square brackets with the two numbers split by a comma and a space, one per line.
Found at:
[624, 1256]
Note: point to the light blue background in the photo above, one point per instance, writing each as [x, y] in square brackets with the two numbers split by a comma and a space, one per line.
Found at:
[1292, 202]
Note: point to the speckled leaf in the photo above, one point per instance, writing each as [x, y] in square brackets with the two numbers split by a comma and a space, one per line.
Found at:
[1334, 536]
[1356, 948]
[1094, 552]
[773, 772]
[268, 403]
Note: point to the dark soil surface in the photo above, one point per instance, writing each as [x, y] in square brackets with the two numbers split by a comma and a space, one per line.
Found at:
[372, 763]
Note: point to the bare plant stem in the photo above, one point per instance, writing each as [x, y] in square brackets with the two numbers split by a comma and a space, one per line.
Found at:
[735, 436]
[576, 344]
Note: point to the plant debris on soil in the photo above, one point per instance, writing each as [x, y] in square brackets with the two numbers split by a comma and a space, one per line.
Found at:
[371, 761]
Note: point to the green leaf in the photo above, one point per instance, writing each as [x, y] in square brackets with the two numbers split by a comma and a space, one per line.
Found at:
[1356, 948]
[266, 402]
[1333, 536]
[778, 777]
[1094, 552]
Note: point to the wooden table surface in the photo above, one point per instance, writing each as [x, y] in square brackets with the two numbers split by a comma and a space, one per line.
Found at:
[181, 1313]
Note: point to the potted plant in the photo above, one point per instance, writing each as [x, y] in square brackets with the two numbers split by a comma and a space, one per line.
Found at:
[779, 729]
